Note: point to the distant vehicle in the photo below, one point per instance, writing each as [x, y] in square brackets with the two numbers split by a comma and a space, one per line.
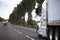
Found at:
[50, 20]
[4, 23]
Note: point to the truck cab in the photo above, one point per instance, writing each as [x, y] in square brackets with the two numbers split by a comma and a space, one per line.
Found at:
[43, 26]
[50, 20]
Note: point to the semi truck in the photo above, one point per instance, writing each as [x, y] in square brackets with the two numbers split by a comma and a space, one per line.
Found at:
[50, 20]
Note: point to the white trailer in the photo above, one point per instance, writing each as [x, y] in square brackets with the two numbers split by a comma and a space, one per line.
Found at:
[50, 20]
[53, 22]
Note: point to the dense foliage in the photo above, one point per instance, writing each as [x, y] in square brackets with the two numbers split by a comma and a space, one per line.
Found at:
[1, 19]
[38, 10]
[18, 15]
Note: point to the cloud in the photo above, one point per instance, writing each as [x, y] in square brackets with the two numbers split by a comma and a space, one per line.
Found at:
[2, 4]
[7, 6]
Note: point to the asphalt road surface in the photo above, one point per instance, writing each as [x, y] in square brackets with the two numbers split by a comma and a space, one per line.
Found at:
[13, 32]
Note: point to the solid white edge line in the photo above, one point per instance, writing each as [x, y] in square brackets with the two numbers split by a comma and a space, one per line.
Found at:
[21, 33]
[29, 37]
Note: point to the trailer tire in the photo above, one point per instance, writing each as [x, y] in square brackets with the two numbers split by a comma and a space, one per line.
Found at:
[51, 33]
[56, 34]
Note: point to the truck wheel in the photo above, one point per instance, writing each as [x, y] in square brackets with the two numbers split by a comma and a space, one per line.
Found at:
[50, 33]
[56, 34]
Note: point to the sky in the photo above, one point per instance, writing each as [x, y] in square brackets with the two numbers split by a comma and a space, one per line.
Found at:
[7, 6]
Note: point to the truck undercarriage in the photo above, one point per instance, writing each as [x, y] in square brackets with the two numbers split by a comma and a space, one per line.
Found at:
[53, 32]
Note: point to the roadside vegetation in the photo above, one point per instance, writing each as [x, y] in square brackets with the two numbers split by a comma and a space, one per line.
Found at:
[1, 19]
[18, 15]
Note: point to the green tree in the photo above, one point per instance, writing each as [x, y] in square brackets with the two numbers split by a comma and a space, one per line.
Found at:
[19, 12]
[38, 10]
[1, 19]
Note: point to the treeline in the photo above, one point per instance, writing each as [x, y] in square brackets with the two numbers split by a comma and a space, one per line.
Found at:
[1, 19]
[18, 15]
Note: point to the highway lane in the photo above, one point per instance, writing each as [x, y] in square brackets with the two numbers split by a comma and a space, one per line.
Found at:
[13, 32]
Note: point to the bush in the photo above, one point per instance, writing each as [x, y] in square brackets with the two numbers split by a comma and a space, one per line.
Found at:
[31, 22]
[1, 19]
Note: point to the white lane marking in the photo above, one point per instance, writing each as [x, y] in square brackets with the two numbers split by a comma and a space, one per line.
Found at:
[29, 37]
[19, 32]
[16, 31]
